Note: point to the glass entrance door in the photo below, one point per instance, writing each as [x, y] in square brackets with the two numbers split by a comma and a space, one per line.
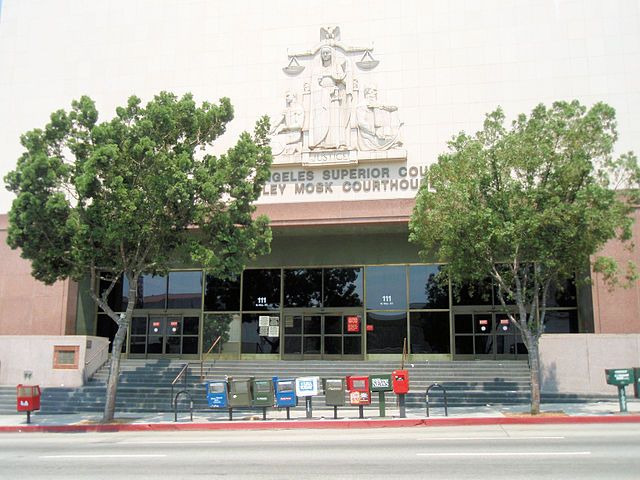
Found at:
[486, 335]
[322, 336]
[166, 335]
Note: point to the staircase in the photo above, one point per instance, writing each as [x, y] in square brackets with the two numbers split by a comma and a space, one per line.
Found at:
[145, 385]
[8, 402]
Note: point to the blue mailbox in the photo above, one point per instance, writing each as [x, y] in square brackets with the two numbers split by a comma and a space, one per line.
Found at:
[285, 390]
[217, 394]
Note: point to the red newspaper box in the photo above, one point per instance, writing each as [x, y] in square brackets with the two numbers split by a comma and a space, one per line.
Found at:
[28, 398]
[359, 392]
[400, 381]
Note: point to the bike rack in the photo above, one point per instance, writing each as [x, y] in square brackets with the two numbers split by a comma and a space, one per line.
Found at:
[175, 404]
[444, 393]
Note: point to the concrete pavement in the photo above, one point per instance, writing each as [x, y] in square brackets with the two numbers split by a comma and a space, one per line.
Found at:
[322, 417]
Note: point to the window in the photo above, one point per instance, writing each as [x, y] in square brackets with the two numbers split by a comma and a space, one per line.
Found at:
[387, 288]
[221, 295]
[185, 290]
[424, 290]
[343, 287]
[261, 290]
[65, 357]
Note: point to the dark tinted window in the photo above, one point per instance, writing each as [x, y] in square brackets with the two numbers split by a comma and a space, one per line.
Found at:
[255, 339]
[303, 287]
[221, 295]
[476, 294]
[185, 290]
[116, 300]
[388, 333]
[561, 321]
[152, 291]
[429, 332]
[261, 290]
[387, 288]
[562, 294]
[343, 287]
[424, 290]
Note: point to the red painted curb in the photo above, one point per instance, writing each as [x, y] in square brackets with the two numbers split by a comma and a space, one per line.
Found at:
[317, 424]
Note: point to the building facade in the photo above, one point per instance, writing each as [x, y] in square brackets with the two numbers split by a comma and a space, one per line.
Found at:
[362, 99]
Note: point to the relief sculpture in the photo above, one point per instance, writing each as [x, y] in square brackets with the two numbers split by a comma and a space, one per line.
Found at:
[327, 119]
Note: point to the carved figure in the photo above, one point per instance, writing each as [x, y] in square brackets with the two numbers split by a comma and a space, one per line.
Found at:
[330, 102]
[378, 125]
[287, 129]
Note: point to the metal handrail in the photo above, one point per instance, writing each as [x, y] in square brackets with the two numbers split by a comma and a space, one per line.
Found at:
[186, 366]
[104, 347]
[444, 393]
[404, 353]
[207, 354]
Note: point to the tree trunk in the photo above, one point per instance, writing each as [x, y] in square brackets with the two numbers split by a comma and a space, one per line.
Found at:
[114, 371]
[534, 372]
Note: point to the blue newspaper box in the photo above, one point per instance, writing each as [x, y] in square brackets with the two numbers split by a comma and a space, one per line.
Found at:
[217, 394]
[285, 392]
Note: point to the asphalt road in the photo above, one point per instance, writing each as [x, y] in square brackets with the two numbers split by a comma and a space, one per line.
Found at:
[496, 452]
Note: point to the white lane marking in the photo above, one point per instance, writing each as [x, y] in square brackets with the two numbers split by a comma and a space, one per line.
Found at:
[501, 454]
[101, 456]
[167, 442]
[492, 438]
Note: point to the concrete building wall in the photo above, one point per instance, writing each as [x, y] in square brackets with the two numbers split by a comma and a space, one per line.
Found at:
[31, 360]
[29, 307]
[576, 363]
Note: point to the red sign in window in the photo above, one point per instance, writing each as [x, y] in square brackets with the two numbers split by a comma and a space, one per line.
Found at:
[504, 321]
[369, 328]
[483, 322]
[353, 324]
[174, 324]
[155, 324]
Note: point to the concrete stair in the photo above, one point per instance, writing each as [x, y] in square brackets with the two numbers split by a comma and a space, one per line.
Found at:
[145, 385]
[8, 402]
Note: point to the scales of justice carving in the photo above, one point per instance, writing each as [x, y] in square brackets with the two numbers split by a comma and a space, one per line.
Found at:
[332, 115]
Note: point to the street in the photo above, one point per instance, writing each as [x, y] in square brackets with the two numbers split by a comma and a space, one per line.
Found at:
[508, 451]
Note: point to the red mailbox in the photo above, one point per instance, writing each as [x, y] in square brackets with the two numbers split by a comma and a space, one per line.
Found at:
[28, 398]
[359, 393]
[400, 381]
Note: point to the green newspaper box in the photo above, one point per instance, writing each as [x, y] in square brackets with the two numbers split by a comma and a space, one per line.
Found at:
[263, 393]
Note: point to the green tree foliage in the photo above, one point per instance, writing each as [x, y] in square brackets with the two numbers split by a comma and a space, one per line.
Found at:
[527, 206]
[137, 194]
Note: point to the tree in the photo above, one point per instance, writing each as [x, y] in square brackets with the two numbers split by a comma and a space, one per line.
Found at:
[136, 195]
[526, 207]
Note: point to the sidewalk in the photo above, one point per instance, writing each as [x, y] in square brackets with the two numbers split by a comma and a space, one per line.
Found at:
[322, 417]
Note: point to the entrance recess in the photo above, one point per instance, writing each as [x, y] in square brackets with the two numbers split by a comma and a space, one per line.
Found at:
[486, 335]
[323, 336]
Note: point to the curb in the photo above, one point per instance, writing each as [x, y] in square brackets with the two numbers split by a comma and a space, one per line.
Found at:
[318, 424]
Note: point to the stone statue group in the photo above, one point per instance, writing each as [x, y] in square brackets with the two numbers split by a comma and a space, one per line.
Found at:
[333, 112]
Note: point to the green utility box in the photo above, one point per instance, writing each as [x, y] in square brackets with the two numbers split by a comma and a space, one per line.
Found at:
[263, 393]
[239, 393]
[334, 391]
[620, 377]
